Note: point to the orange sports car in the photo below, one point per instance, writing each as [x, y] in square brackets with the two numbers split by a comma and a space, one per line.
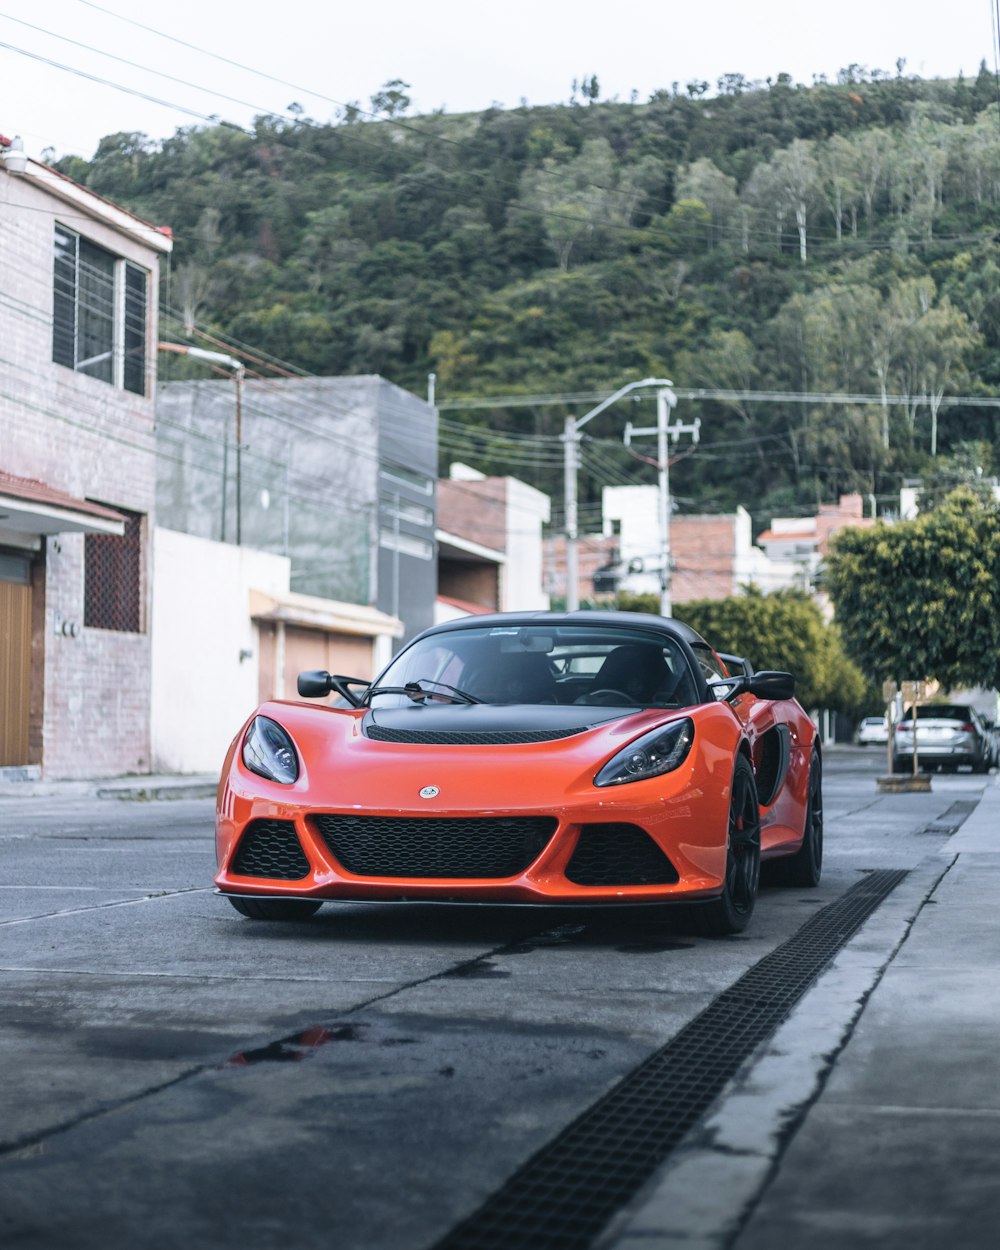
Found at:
[594, 758]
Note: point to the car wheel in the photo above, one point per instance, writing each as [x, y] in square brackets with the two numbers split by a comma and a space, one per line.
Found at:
[805, 867]
[275, 908]
[731, 911]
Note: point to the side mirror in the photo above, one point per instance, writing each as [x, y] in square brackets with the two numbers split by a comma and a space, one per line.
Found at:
[764, 685]
[738, 665]
[772, 685]
[315, 683]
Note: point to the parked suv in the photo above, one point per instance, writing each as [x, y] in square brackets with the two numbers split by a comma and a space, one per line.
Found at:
[948, 736]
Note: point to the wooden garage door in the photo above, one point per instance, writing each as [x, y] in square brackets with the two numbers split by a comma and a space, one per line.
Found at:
[15, 671]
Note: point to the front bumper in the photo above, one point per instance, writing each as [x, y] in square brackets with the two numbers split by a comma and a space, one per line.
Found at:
[613, 849]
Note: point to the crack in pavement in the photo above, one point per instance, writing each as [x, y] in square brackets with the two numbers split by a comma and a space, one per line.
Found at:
[29, 1141]
[124, 902]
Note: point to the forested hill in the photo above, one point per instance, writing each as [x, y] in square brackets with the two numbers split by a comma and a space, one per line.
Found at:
[834, 238]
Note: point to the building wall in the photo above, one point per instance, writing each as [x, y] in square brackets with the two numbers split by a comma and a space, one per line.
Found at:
[527, 510]
[93, 441]
[407, 447]
[326, 466]
[205, 647]
[295, 649]
[476, 583]
[499, 514]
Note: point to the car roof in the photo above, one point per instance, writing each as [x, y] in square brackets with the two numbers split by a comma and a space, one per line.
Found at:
[634, 620]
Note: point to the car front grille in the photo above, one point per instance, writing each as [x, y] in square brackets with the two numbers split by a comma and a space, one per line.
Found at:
[428, 846]
[618, 854]
[270, 848]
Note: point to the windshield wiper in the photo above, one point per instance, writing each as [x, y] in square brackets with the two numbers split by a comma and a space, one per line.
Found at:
[415, 690]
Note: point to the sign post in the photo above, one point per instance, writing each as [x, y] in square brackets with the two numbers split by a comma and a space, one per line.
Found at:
[914, 693]
[889, 692]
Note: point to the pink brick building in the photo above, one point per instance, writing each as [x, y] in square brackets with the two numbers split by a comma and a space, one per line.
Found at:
[78, 340]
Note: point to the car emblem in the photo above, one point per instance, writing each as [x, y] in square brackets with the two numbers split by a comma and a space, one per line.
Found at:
[429, 792]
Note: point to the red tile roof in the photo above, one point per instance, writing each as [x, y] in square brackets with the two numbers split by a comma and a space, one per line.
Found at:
[32, 491]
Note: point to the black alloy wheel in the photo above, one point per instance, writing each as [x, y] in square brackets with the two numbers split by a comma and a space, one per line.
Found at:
[275, 908]
[731, 911]
[805, 867]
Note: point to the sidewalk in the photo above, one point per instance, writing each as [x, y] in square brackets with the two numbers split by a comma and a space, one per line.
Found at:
[141, 787]
[872, 1118]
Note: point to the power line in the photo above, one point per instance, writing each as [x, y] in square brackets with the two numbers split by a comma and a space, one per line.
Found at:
[791, 397]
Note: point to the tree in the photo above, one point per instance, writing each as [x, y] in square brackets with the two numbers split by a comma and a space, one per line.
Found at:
[704, 181]
[790, 181]
[840, 182]
[579, 198]
[921, 599]
[391, 99]
[931, 343]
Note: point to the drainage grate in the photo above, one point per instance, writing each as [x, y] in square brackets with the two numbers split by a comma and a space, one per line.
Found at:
[953, 819]
[562, 1197]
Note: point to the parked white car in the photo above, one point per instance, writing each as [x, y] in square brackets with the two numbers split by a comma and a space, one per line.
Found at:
[872, 731]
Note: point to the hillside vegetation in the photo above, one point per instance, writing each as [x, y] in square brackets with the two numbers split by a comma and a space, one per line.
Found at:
[834, 238]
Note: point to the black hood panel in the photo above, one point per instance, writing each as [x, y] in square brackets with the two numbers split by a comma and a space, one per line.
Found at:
[483, 724]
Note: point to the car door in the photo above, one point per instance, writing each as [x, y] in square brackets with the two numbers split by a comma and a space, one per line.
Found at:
[780, 764]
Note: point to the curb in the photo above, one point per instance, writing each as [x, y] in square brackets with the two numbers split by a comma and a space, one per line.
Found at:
[138, 789]
[740, 1144]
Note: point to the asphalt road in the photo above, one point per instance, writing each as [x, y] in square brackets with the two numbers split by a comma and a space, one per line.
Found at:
[176, 1074]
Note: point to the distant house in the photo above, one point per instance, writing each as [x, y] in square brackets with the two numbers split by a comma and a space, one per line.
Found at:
[804, 541]
[712, 555]
[77, 474]
[490, 552]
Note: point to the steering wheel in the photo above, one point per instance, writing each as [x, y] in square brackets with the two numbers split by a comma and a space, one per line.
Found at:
[607, 698]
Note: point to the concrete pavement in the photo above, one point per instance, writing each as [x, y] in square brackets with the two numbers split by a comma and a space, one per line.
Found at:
[872, 1118]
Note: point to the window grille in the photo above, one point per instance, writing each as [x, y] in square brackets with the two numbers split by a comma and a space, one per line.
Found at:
[113, 578]
[98, 313]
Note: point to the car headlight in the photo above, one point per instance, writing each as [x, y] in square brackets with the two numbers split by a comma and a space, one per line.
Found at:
[268, 751]
[660, 751]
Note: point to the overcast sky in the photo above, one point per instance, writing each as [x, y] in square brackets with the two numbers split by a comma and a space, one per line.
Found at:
[456, 54]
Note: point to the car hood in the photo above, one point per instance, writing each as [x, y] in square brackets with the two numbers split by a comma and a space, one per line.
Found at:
[485, 723]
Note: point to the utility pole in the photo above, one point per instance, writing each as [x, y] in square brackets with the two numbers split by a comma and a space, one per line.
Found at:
[238, 370]
[571, 462]
[666, 400]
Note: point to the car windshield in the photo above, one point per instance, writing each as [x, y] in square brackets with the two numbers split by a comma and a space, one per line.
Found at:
[940, 711]
[539, 663]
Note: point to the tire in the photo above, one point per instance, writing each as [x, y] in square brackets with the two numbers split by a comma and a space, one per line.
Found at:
[275, 908]
[731, 911]
[805, 867]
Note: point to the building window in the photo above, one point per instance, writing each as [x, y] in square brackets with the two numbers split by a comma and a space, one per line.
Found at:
[98, 313]
[407, 477]
[113, 578]
[406, 544]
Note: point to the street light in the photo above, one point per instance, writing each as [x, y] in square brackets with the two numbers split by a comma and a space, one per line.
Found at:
[571, 460]
[239, 373]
